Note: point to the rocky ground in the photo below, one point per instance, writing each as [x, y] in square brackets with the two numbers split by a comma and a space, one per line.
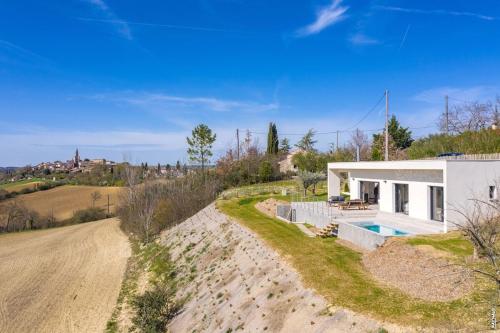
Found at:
[233, 282]
[268, 206]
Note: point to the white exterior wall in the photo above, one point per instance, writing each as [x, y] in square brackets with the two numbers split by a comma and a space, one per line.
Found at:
[333, 183]
[419, 182]
[461, 180]
[353, 187]
[468, 179]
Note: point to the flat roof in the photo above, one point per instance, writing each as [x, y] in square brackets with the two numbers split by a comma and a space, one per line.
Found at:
[437, 164]
[390, 165]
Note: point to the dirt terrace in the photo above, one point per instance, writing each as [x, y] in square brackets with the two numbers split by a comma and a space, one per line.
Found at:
[61, 280]
[241, 284]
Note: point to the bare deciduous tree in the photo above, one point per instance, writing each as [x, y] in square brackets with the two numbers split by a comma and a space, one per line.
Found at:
[18, 217]
[95, 196]
[147, 208]
[481, 227]
[468, 116]
[359, 139]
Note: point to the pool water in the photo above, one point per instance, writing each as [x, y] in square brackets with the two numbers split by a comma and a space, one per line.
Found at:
[383, 230]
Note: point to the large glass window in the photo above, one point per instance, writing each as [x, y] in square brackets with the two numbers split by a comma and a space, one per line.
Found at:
[401, 198]
[437, 203]
[493, 193]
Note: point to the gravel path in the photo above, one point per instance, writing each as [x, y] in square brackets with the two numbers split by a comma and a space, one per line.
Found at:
[63, 279]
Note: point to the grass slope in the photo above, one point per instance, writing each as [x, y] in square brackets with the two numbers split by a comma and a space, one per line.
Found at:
[452, 243]
[337, 273]
[21, 184]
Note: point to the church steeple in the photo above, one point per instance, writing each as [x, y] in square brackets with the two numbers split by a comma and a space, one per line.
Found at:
[77, 159]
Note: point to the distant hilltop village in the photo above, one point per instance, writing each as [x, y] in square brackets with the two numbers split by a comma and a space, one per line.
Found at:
[74, 165]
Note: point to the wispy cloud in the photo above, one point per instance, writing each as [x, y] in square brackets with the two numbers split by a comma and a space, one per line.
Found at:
[159, 25]
[361, 39]
[15, 54]
[405, 35]
[120, 25]
[436, 12]
[166, 101]
[477, 93]
[325, 17]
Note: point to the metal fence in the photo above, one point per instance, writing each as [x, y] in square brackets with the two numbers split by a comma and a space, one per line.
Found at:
[468, 157]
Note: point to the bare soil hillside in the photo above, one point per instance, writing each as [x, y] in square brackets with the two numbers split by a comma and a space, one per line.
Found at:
[268, 206]
[63, 201]
[63, 279]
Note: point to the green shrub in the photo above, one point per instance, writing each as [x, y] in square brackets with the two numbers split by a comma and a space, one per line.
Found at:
[88, 215]
[265, 171]
[27, 190]
[154, 309]
[480, 142]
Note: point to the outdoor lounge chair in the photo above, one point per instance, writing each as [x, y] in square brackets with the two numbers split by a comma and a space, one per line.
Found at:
[335, 200]
[352, 204]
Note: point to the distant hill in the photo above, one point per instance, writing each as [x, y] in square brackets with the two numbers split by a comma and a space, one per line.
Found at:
[8, 169]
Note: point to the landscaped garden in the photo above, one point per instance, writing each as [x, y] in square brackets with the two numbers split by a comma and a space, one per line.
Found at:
[337, 272]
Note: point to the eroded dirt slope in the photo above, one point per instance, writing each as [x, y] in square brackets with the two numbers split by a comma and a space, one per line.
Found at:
[237, 283]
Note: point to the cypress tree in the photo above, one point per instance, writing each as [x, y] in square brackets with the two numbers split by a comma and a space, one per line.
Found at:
[272, 139]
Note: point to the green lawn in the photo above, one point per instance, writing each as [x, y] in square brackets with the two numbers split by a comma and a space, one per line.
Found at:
[337, 273]
[20, 182]
[452, 243]
[275, 188]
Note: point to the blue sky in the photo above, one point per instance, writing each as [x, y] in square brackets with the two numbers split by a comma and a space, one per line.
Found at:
[132, 78]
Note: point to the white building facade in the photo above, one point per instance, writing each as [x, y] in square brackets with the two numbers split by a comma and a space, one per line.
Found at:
[422, 189]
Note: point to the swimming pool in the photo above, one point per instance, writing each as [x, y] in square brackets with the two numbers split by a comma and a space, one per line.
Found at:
[382, 229]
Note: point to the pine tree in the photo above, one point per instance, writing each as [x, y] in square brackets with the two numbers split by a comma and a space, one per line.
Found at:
[178, 165]
[200, 145]
[272, 139]
[285, 146]
[307, 142]
[401, 135]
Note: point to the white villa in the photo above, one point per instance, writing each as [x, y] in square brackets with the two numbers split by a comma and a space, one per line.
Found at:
[424, 190]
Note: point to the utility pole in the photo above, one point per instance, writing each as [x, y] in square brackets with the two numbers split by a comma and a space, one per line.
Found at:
[386, 125]
[446, 114]
[108, 204]
[496, 121]
[337, 147]
[238, 143]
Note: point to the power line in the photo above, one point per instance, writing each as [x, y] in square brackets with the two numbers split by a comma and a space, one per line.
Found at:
[369, 111]
[350, 129]
[344, 131]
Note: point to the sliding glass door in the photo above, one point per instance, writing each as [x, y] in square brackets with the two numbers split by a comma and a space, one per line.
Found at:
[401, 198]
[437, 203]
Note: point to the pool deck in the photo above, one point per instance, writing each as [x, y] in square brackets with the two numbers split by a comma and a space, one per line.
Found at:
[321, 214]
[400, 222]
